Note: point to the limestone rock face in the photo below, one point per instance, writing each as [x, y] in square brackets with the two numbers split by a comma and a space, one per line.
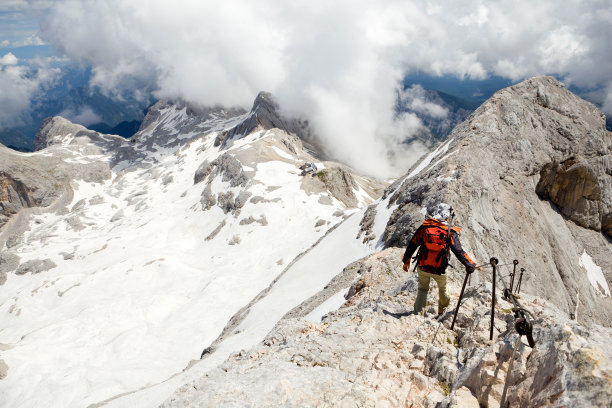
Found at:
[341, 184]
[167, 119]
[39, 180]
[577, 188]
[53, 130]
[25, 184]
[528, 175]
[227, 166]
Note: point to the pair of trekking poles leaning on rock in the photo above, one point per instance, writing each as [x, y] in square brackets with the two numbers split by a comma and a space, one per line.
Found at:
[434, 243]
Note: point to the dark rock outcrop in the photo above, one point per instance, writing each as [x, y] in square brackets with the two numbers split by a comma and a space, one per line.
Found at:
[577, 188]
[225, 166]
[265, 113]
[340, 183]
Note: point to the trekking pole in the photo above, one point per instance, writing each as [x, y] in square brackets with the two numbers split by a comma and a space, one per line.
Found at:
[518, 286]
[515, 262]
[494, 262]
[459, 301]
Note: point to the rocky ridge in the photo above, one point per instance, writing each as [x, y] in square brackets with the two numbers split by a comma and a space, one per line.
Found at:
[529, 176]
[372, 353]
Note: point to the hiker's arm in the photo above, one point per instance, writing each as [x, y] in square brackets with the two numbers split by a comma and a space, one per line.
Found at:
[463, 257]
[412, 246]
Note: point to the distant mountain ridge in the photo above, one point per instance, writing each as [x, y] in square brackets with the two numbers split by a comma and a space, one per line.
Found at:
[70, 95]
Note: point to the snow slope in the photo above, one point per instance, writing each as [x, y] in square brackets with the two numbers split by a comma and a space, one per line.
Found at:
[146, 277]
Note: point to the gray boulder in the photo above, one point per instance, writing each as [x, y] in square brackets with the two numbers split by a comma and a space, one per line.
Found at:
[340, 183]
[225, 166]
[35, 266]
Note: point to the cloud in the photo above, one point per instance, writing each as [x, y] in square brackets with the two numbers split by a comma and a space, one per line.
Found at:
[18, 84]
[33, 39]
[8, 59]
[16, 89]
[85, 116]
[415, 99]
[339, 63]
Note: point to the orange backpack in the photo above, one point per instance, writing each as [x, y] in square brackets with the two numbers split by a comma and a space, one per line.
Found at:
[433, 254]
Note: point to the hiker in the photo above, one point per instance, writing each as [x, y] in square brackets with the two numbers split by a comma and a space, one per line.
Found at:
[432, 259]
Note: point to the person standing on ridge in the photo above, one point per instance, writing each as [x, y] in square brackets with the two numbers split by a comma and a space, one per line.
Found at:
[432, 258]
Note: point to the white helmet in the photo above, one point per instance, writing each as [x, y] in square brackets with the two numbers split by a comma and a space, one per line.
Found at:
[441, 212]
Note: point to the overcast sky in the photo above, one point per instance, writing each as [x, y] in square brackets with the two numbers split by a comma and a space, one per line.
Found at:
[340, 62]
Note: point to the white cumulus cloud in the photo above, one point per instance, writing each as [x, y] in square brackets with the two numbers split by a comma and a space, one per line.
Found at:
[8, 59]
[339, 63]
[415, 99]
[84, 115]
[18, 84]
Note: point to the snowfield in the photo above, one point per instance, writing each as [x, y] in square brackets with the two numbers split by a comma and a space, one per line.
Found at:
[145, 278]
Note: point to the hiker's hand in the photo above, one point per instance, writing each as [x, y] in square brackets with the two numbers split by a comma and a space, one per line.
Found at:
[406, 266]
[469, 269]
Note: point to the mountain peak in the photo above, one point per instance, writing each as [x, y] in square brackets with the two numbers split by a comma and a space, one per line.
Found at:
[52, 128]
[266, 114]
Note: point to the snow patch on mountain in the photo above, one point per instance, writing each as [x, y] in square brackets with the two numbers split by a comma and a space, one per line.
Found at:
[441, 149]
[330, 305]
[595, 275]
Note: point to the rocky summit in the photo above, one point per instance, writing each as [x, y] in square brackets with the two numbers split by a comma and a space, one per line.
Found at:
[218, 259]
[529, 176]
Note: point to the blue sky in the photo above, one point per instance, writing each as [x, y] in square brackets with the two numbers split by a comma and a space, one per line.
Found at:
[20, 26]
